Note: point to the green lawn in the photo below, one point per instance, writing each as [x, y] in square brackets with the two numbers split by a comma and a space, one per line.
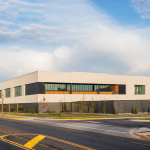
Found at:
[75, 115]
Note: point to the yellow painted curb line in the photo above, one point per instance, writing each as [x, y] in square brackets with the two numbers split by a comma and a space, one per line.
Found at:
[141, 136]
[82, 119]
[20, 119]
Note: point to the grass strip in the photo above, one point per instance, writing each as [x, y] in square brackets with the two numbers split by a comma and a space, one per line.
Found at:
[75, 115]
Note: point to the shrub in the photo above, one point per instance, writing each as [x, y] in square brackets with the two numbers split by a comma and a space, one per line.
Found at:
[135, 110]
[33, 110]
[29, 110]
[54, 111]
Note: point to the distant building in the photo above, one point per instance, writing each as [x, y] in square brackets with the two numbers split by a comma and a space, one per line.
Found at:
[27, 91]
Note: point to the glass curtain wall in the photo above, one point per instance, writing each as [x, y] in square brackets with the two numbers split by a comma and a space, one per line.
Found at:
[82, 87]
[57, 87]
[139, 89]
[7, 92]
[17, 91]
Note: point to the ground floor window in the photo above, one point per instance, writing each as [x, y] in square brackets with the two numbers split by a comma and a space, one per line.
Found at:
[20, 107]
[4, 107]
[11, 107]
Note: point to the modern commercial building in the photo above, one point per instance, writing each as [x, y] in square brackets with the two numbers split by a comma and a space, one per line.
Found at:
[28, 91]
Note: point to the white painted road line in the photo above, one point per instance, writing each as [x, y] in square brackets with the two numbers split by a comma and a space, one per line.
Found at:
[80, 126]
[86, 127]
[69, 125]
[92, 122]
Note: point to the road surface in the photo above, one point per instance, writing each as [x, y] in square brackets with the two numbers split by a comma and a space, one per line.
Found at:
[44, 134]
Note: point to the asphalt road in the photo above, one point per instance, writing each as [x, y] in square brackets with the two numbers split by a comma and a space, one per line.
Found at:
[58, 135]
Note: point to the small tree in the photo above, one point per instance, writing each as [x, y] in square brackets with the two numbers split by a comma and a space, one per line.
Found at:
[65, 107]
[135, 110]
[61, 106]
[43, 105]
[81, 107]
[83, 99]
[116, 110]
[104, 106]
[92, 105]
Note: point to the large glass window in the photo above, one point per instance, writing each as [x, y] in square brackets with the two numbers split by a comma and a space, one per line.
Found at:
[31, 88]
[57, 87]
[17, 91]
[105, 88]
[95, 87]
[7, 92]
[139, 89]
[0, 93]
[82, 87]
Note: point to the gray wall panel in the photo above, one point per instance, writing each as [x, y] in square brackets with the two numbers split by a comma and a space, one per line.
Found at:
[30, 105]
[145, 106]
[130, 104]
[15, 107]
[7, 107]
[120, 105]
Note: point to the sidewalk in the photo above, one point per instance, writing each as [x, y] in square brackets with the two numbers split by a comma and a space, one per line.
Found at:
[143, 133]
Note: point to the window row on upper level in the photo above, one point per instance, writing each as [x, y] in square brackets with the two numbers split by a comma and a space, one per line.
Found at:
[7, 92]
[60, 88]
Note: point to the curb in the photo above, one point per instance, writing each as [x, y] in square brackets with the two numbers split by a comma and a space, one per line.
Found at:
[20, 119]
[141, 136]
[81, 119]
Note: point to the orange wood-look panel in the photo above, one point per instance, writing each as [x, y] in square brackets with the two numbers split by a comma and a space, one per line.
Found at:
[77, 92]
[116, 89]
[105, 92]
[57, 92]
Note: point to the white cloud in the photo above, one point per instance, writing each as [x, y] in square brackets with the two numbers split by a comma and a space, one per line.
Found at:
[69, 36]
[142, 7]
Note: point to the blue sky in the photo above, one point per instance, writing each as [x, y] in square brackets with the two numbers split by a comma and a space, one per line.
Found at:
[110, 36]
[122, 11]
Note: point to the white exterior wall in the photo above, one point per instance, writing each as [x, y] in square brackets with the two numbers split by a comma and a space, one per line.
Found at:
[95, 78]
[20, 81]
[74, 77]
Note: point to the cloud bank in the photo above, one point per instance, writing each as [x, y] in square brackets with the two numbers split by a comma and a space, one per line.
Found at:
[64, 35]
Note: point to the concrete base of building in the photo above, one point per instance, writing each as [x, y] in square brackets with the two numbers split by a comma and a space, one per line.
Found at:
[123, 106]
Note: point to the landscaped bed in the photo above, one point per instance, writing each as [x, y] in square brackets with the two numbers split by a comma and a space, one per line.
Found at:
[77, 115]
